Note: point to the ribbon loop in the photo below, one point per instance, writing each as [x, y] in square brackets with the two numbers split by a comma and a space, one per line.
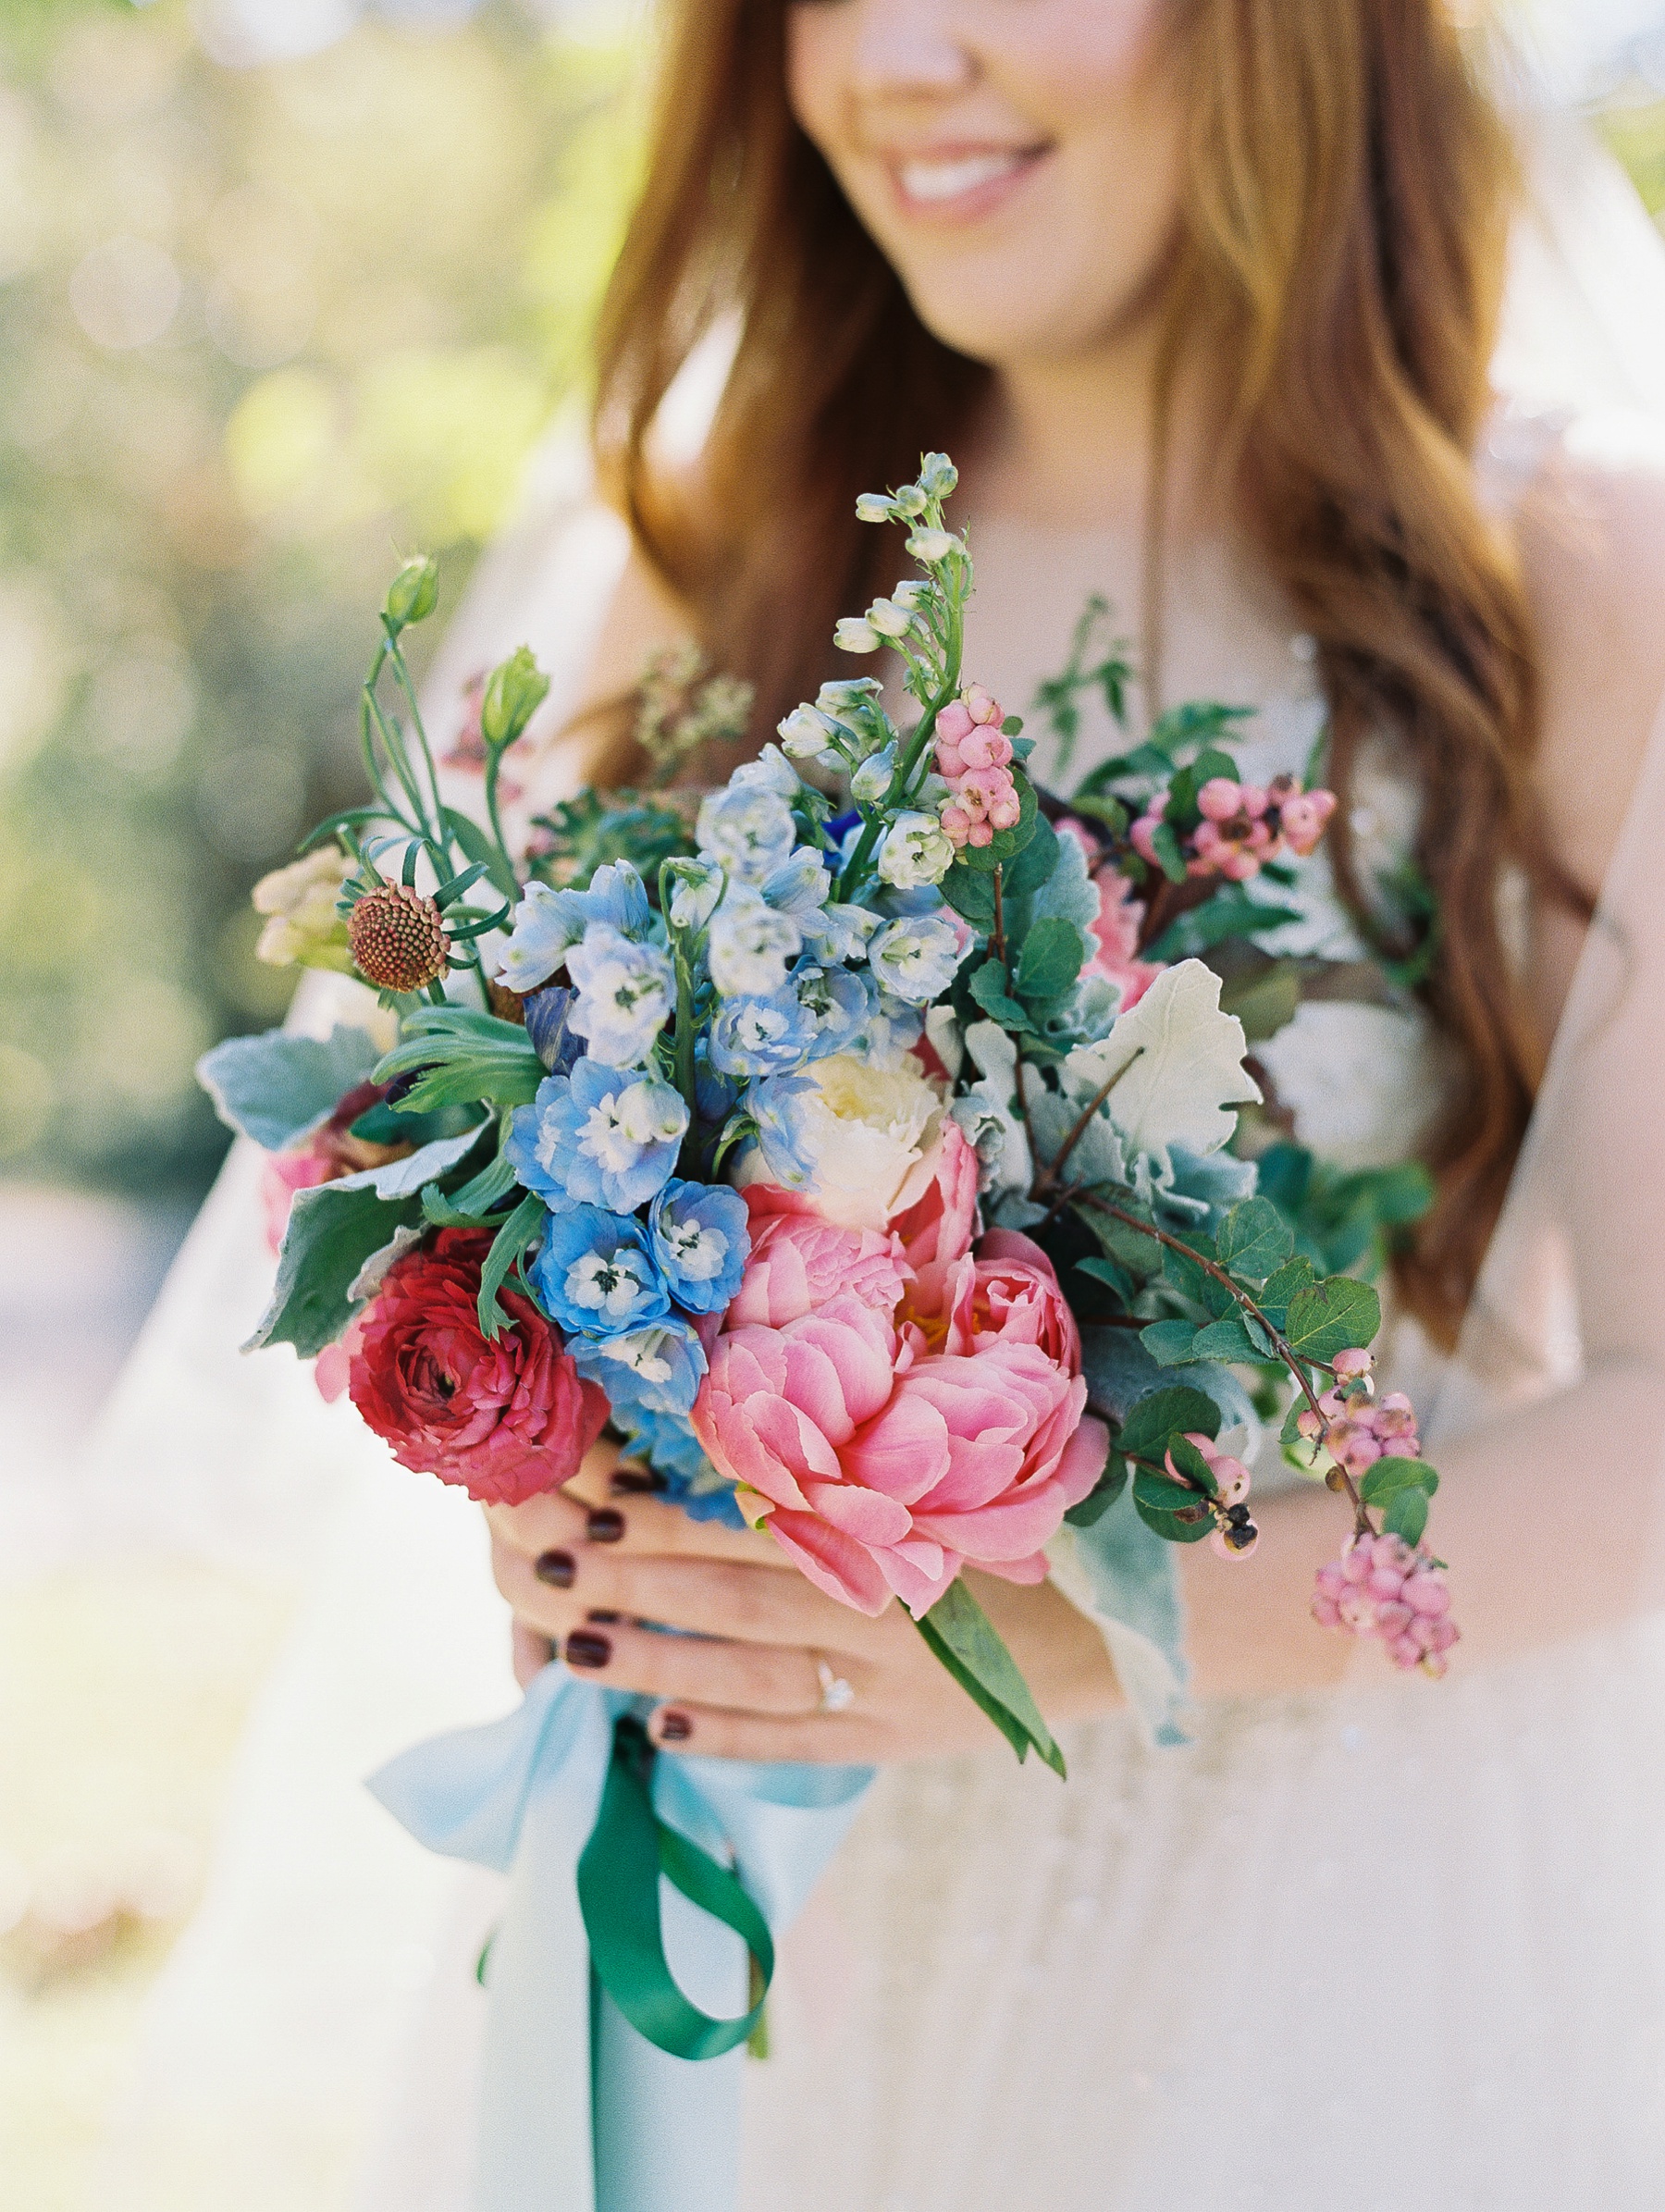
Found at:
[619, 1873]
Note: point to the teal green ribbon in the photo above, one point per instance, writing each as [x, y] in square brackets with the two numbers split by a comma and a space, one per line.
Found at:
[619, 1872]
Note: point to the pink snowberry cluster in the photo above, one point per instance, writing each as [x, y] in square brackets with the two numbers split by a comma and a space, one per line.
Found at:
[974, 754]
[1356, 1428]
[1235, 1534]
[1380, 1587]
[1242, 826]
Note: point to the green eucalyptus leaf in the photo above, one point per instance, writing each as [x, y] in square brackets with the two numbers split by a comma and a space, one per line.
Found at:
[1176, 1515]
[988, 987]
[1164, 844]
[1293, 1276]
[971, 895]
[1236, 1339]
[1162, 1414]
[1169, 1342]
[1033, 866]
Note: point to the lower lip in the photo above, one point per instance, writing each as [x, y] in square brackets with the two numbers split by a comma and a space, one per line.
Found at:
[973, 205]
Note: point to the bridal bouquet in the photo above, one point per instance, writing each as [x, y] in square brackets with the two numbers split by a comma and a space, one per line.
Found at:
[866, 1170]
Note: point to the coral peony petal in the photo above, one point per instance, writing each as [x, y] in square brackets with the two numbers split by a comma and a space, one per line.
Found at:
[903, 1452]
[1083, 1459]
[834, 1561]
[868, 1515]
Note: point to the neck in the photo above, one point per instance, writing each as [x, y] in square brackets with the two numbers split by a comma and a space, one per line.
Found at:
[1067, 442]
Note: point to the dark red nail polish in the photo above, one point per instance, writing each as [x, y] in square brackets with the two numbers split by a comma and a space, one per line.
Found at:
[604, 1526]
[675, 1728]
[604, 1620]
[557, 1568]
[585, 1649]
[636, 1482]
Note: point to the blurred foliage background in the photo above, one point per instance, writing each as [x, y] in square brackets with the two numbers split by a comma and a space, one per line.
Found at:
[268, 323]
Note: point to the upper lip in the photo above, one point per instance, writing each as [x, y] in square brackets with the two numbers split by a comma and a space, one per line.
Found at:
[955, 150]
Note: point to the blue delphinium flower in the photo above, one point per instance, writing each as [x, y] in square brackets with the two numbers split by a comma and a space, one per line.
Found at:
[715, 1096]
[626, 993]
[606, 1136]
[798, 885]
[695, 886]
[670, 1447]
[750, 946]
[596, 1273]
[781, 1106]
[837, 933]
[700, 1241]
[915, 958]
[547, 923]
[771, 770]
[761, 1036]
[836, 1001]
[747, 831]
[658, 1368]
[548, 1026]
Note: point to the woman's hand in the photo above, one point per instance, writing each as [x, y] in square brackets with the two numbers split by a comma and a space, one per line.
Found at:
[582, 1567]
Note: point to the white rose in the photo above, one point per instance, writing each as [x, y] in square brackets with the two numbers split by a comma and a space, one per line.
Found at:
[871, 1134]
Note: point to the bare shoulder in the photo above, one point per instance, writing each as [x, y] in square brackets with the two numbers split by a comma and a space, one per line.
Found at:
[1591, 530]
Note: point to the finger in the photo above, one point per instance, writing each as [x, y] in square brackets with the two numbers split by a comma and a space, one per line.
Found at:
[539, 1524]
[531, 1652]
[634, 1521]
[716, 1731]
[760, 1678]
[744, 1604]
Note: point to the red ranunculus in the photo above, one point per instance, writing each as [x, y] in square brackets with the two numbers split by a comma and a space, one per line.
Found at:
[505, 1420]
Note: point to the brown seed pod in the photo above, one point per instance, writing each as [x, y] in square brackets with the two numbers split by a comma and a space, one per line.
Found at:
[398, 937]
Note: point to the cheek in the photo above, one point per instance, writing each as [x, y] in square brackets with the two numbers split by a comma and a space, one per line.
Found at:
[819, 50]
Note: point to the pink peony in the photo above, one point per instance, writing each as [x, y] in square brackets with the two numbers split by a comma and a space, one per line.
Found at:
[1007, 1294]
[324, 1156]
[1116, 931]
[937, 1229]
[799, 1262]
[884, 1469]
[504, 1420]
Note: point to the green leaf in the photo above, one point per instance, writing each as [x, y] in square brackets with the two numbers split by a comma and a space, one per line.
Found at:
[482, 849]
[1051, 959]
[523, 1227]
[1188, 1462]
[988, 987]
[1254, 1240]
[333, 1230]
[1109, 1272]
[467, 1208]
[1164, 1414]
[1389, 1477]
[1164, 844]
[966, 1640]
[459, 1055]
[1033, 866]
[971, 896]
[1407, 1514]
[277, 1086]
[1175, 1513]
[1236, 1338]
[1103, 1495]
[1169, 1343]
[1293, 1276]
[1334, 1315]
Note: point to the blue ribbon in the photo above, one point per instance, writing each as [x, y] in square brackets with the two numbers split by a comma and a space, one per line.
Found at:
[577, 2110]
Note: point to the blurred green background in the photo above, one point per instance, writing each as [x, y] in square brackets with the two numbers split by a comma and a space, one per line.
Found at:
[265, 328]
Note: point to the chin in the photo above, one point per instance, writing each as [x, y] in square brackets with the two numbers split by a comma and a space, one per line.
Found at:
[999, 317]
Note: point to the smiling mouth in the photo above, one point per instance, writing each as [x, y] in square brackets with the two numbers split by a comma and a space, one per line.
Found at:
[963, 184]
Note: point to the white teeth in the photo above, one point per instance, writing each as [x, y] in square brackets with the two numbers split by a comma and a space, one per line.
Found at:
[949, 180]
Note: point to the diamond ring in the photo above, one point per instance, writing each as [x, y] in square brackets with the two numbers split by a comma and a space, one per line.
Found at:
[836, 1696]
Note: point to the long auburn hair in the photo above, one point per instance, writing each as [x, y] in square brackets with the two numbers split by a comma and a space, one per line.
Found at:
[1341, 244]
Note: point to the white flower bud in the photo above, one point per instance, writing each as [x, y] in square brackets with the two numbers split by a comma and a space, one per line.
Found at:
[913, 593]
[873, 779]
[875, 507]
[804, 733]
[933, 546]
[888, 619]
[854, 636]
[915, 851]
[938, 475]
[842, 693]
[910, 500]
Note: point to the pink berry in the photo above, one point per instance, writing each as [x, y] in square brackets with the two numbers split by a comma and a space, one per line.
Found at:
[1393, 1618]
[1217, 1543]
[1140, 836]
[1427, 1593]
[1388, 1551]
[1356, 1561]
[1242, 868]
[1308, 1423]
[1219, 798]
[1325, 1610]
[954, 723]
[949, 759]
[1253, 800]
[1005, 814]
[1446, 1633]
[1348, 1363]
[981, 833]
[1330, 1580]
[956, 824]
[980, 705]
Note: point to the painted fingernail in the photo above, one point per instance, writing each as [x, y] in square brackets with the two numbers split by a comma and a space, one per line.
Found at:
[636, 1482]
[584, 1649]
[604, 1526]
[675, 1728]
[603, 1620]
[556, 1568]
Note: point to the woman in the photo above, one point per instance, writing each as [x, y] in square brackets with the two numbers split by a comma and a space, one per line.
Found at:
[1202, 293]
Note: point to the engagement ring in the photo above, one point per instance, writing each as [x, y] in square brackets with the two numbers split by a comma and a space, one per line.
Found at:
[836, 1696]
